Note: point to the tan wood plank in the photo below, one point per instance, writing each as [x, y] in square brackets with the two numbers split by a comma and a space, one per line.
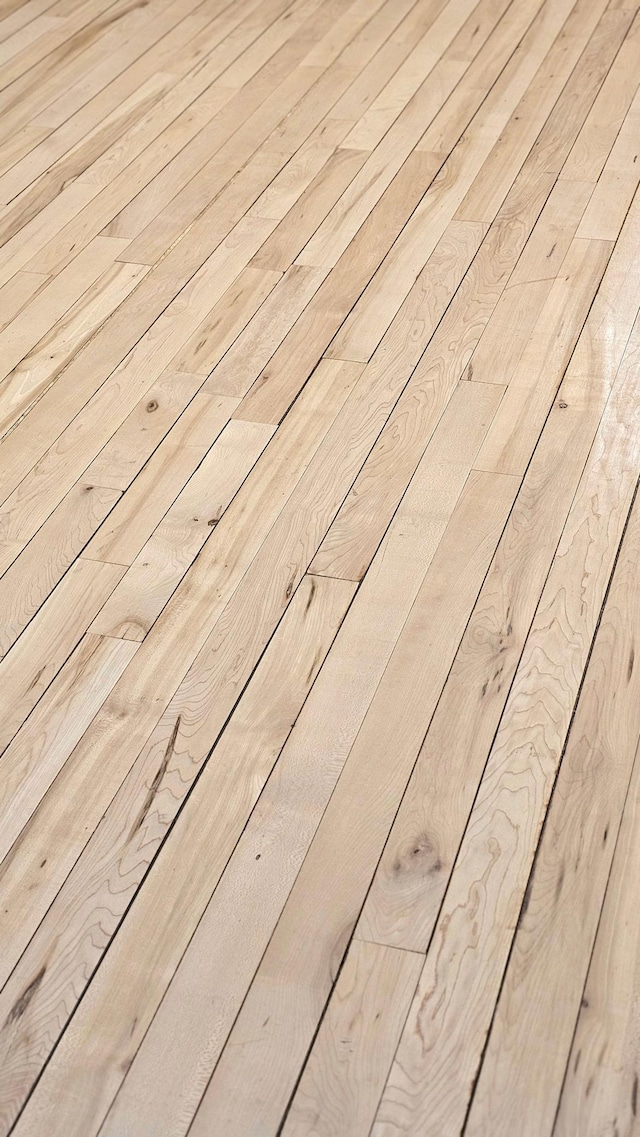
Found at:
[246, 359]
[404, 901]
[40, 367]
[157, 486]
[484, 163]
[135, 708]
[617, 183]
[47, 556]
[377, 490]
[521, 1077]
[50, 638]
[257, 733]
[82, 439]
[322, 318]
[340, 1086]
[80, 118]
[291, 235]
[261, 117]
[544, 359]
[503, 341]
[247, 620]
[436, 285]
[144, 429]
[17, 293]
[434, 1070]
[47, 739]
[221, 327]
[292, 981]
[604, 1053]
[160, 565]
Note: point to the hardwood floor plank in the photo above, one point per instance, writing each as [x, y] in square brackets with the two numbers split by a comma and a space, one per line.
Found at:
[43, 562]
[157, 486]
[292, 985]
[135, 708]
[220, 329]
[339, 1091]
[137, 438]
[157, 570]
[39, 368]
[50, 638]
[351, 542]
[297, 649]
[604, 1051]
[433, 1074]
[543, 362]
[319, 456]
[543, 986]
[48, 737]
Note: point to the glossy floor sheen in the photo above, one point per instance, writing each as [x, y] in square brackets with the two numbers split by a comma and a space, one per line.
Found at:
[320, 605]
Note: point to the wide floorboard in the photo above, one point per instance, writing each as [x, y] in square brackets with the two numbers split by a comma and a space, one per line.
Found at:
[319, 568]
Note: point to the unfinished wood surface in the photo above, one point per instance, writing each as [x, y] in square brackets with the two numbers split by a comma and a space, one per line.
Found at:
[319, 567]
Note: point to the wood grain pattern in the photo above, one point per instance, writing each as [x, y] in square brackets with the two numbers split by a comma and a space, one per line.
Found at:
[319, 452]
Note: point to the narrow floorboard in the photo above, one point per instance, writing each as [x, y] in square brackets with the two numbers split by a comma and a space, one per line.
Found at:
[319, 550]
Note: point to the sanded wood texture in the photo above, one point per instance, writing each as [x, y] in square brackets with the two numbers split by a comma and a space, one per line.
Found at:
[319, 568]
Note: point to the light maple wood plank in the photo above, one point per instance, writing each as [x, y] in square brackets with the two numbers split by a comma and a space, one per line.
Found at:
[499, 350]
[258, 732]
[157, 486]
[291, 984]
[251, 352]
[39, 368]
[48, 555]
[340, 1086]
[544, 359]
[604, 1053]
[220, 329]
[162, 562]
[617, 183]
[134, 710]
[484, 163]
[359, 395]
[17, 293]
[350, 544]
[50, 638]
[434, 1071]
[46, 740]
[405, 898]
[521, 1077]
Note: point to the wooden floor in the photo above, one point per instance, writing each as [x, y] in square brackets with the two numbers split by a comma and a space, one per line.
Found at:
[320, 605]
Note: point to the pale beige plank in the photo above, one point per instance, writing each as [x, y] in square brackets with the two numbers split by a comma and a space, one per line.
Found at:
[162, 562]
[47, 739]
[41, 651]
[544, 359]
[600, 1091]
[243, 760]
[250, 354]
[291, 235]
[45, 559]
[441, 1046]
[340, 1086]
[521, 1076]
[134, 710]
[436, 282]
[163, 477]
[41, 367]
[296, 972]
[226, 321]
[133, 443]
[17, 293]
